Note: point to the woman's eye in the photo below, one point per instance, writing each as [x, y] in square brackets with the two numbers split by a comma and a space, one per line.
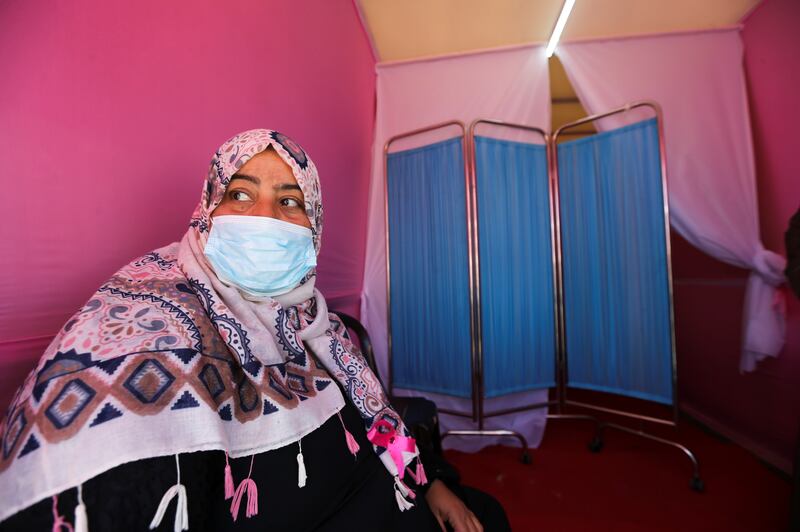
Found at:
[239, 195]
[290, 202]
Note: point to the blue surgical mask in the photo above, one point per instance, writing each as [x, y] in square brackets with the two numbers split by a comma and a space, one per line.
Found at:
[261, 256]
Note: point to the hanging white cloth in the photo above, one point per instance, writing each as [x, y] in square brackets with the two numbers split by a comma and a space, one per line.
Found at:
[698, 79]
[511, 85]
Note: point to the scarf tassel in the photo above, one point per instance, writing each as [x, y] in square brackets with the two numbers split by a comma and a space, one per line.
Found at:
[81, 520]
[420, 478]
[228, 479]
[352, 444]
[247, 485]
[181, 511]
[401, 493]
[182, 508]
[301, 467]
[59, 521]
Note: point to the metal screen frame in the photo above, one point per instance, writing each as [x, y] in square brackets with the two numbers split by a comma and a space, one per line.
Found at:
[478, 413]
[561, 364]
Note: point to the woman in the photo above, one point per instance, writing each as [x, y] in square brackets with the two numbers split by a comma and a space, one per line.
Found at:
[210, 371]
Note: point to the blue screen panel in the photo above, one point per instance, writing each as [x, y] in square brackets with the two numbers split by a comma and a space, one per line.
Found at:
[429, 281]
[516, 266]
[616, 288]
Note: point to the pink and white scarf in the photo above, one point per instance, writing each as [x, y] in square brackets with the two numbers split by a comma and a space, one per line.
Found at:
[164, 358]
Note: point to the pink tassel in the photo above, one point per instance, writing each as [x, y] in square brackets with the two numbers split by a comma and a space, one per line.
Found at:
[228, 479]
[421, 479]
[59, 521]
[248, 485]
[352, 444]
[419, 476]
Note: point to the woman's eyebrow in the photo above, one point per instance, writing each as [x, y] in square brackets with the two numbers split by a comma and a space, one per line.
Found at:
[252, 179]
[287, 186]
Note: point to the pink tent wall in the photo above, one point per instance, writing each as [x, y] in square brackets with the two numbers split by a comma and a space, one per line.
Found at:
[761, 409]
[110, 113]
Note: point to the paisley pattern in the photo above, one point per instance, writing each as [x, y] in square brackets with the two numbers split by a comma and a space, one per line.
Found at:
[292, 148]
[362, 386]
[165, 358]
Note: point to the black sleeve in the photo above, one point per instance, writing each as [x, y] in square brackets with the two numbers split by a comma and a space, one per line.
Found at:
[793, 253]
[421, 418]
[437, 468]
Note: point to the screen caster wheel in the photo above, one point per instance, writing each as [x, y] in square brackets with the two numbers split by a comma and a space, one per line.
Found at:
[596, 445]
[697, 484]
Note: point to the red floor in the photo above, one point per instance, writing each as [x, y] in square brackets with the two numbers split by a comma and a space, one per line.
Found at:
[632, 484]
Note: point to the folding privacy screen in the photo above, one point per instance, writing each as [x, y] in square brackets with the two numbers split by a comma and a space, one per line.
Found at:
[533, 264]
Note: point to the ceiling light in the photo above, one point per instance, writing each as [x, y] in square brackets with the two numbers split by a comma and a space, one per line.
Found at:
[566, 9]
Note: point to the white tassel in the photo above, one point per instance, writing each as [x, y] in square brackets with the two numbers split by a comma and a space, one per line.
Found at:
[301, 466]
[401, 487]
[81, 520]
[400, 494]
[182, 509]
[401, 502]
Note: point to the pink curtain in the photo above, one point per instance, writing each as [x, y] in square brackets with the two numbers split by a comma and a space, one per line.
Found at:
[510, 85]
[698, 79]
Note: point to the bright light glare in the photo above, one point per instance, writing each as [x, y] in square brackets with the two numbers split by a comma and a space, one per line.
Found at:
[560, 23]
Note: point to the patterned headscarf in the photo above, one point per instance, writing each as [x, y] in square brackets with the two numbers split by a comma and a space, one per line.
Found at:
[235, 153]
[165, 358]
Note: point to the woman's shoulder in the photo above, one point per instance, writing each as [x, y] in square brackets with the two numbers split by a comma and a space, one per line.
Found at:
[147, 306]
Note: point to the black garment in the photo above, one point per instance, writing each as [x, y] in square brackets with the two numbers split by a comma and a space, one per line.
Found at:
[341, 493]
[792, 239]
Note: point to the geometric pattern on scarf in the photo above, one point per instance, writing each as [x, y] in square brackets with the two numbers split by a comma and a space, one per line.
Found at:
[173, 358]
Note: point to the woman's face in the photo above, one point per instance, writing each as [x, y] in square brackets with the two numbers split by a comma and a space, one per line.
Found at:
[265, 186]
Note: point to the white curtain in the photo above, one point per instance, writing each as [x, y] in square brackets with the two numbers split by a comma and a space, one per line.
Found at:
[698, 79]
[511, 85]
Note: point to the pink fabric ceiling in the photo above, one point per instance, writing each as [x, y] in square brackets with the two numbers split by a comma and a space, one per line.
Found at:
[111, 113]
